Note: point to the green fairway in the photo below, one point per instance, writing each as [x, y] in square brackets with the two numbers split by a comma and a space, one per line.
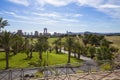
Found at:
[115, 40]
[20, 61]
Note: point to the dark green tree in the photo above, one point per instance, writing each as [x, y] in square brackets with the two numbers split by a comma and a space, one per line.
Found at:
[92, 51]
[17, 44]
[6, 41]
[69, 44]
[3, 23]
[26, 47]
[41, 46]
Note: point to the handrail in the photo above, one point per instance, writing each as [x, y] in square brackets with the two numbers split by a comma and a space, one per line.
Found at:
[64, 70]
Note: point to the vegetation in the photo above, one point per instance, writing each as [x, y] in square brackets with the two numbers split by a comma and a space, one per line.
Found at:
[39, 51]
[6, 41]
[20, 60]
[115, 40]
[3, 23]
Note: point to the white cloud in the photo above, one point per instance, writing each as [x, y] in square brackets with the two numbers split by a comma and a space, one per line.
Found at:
[92, 3]
[58, 15]
[22, 2]
[106, 6]
[15, 15]
[109, 6]
[47, 14]
[57, 3]
[69, 20]
[53, 18]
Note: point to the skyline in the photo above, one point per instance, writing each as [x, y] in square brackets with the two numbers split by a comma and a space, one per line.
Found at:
[61, 15]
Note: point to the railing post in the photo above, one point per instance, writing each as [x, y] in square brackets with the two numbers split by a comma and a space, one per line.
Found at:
[112, 66]
[89, 68]
[10, 75]
[22, 74]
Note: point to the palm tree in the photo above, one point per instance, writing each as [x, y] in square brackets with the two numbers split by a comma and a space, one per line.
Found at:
[75, 47]
[105, 53]
[17, 44]
[31, 47]
[86, 39]
[3, 23]
[79, 50]
[58, 45]
[69, 45]
[92, 51]
[41, 46]
[5, 40]
[26, 47]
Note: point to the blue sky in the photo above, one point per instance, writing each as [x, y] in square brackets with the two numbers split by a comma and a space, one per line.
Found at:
[61, 15]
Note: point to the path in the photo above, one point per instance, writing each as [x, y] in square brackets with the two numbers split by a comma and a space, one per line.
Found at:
[86, 59]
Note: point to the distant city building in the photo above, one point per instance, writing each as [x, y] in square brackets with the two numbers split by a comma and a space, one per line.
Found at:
[56, 34]
[36, 33]
[31, 33]
[45, 31]
[19, 32]
[25, 33]
[40, 34]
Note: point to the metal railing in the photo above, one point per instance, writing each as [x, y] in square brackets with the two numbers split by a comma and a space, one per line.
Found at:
[73, 71]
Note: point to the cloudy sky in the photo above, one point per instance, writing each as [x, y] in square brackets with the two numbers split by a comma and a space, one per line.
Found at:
[62, 15]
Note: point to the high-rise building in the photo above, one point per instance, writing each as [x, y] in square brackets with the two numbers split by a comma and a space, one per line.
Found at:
[36, 33]
[45, 31]
[20, 32]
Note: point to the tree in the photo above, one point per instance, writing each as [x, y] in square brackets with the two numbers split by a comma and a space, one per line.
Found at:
[58, 45]
[92, 39]
[92, 51]
[3, 23]
[69, 45]
[106, 43]
[17, 43]
[28, 47]
[79, 50]
[31, 47]
[75, 47]
[85, 39]
[104, 53]
[41, 46]
[5, 40]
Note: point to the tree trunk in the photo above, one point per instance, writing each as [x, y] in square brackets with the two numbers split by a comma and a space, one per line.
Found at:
[7, 59]
[31, 54]
[69, 54]
[40, 56]
[56, 48]
[60, 48]
[78, 55]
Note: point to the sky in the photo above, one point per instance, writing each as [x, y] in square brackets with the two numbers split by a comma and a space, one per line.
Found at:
[61, 15]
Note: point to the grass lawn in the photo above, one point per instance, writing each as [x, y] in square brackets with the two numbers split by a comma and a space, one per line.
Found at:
[115, 40]
[20, 61]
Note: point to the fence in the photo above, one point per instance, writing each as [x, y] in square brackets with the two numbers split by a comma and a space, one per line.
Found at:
[74, 71]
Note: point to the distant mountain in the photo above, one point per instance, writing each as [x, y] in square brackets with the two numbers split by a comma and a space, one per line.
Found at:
[97, 33]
